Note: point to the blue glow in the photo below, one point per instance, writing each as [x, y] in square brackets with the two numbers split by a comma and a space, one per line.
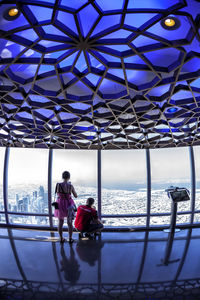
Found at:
[68, 61]
[111, 58]
[75, 4]
[24, 71]
[31, 53]
[94, 79]
[81, 64]
[28, 34]
[96, 63]
[162, 4]
[192, 65]
[41, 14]
[48, 44]
[67, 77]
[9, 25]
[137, 20]
[163, 57]
[135, 59]
[68, 20]
[139, 77]
[56, 54]
[141, 41]
[66, 116]
[80, 89]
[116, 34]
[117, 72]
[106, 22]
[179, 33]
[45, 68]
[110, 5]
[172, 109]
[111, 87]
[50, 29]
[120, 48]
[38, 98]
[9, 49]
[71, 68]
[87, 22]
[45, 112]
[160, 90]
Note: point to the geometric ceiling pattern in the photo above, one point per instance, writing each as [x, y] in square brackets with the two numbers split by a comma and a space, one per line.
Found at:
[103, 74]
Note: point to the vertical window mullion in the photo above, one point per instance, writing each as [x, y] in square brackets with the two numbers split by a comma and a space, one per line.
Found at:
[148, 169]
[50, 160]
[99, 181]
[5, 183]
[193, 183]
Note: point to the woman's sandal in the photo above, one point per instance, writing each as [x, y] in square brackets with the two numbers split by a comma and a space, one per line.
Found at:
[62, 240]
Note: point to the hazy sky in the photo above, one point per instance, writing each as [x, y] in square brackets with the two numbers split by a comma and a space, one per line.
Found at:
[118, 167]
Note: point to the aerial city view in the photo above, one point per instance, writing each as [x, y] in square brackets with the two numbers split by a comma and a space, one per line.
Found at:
[34, 199]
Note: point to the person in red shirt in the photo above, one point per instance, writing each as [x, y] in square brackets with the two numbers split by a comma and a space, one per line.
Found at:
[87, 219]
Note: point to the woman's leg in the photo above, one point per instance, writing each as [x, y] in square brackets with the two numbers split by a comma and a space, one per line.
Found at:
[70, 228]
[60, 228]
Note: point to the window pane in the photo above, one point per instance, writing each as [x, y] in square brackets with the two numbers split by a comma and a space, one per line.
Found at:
[181, 219]
[2, 152]
[168, 167]
[137, 221]
[197, 171]
[162, 220]
[197, 218]
[123, 182]
[27, 183]
[2, 218]
[29, 220]
[82, 165]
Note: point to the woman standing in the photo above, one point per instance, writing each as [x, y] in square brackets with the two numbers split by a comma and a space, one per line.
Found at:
[66, 205]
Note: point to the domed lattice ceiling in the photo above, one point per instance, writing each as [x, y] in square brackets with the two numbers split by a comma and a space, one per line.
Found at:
[97, 74]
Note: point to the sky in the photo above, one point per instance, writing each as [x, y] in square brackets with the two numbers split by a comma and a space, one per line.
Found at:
[119, 167]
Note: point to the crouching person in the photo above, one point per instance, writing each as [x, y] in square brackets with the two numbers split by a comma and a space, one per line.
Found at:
[87, 220]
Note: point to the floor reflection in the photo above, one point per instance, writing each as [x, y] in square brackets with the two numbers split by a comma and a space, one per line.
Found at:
[69, 265]
[114, 266]
[89, 250]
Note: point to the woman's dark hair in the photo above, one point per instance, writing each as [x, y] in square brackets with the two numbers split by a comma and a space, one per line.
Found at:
[66, 175]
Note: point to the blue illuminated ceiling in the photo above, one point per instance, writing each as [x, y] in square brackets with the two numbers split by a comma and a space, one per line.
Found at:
[99, 74]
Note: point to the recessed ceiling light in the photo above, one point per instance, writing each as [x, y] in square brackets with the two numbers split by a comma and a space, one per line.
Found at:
[172, 110]
[12, 13]
[170, 23]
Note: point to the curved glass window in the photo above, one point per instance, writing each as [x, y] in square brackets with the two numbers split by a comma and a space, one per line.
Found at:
[124, 185]
[2, 152]
[27, 184]
[168, 167]
[197, 171]
[123, 189]
[82, 165]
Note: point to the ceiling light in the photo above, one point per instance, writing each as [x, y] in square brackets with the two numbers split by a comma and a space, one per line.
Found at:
[170, 23]
[11, 14]
[172, 110]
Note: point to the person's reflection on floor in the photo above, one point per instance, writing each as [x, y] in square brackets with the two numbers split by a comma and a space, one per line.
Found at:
[70, 266]
[89, 251]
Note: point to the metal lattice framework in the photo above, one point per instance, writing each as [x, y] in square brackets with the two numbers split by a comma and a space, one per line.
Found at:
[99, 74]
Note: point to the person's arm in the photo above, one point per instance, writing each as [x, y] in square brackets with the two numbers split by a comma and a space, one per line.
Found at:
[57, 188]
[95, 216]
[74, 192]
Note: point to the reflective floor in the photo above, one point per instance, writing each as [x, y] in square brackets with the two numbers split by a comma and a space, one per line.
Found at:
[33, 265]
